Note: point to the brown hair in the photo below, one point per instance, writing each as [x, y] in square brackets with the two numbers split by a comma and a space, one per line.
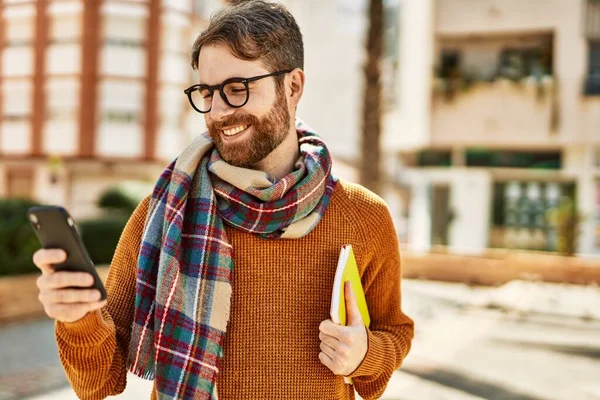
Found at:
[255, 30]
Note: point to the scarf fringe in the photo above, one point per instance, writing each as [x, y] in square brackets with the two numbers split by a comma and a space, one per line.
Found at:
[139, 372]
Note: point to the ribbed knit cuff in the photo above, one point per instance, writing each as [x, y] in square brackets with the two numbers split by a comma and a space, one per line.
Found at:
[89, 330]
[371, 364]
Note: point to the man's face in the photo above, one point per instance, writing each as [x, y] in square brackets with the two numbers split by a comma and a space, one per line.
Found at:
[244, 136]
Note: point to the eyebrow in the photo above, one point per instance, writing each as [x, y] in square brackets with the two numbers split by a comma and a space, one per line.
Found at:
[233, 77]
[207, 84]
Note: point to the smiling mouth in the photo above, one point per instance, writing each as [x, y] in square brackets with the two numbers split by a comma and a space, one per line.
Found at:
[235, 130]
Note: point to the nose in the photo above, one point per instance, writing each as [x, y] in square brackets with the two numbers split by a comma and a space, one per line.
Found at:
[219, 109]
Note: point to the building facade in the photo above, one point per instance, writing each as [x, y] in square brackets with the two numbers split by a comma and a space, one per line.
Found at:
[491, 113]
[91, 94]
[498, 119]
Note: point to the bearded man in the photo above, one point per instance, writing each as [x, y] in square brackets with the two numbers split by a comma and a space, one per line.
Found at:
[221, 282]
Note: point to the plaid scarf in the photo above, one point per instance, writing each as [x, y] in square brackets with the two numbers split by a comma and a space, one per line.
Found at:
[185, 264]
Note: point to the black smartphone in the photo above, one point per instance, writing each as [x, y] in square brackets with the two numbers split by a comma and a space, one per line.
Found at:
[55, 229]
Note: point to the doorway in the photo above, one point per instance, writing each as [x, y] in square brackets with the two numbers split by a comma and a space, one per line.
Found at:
[441, 215]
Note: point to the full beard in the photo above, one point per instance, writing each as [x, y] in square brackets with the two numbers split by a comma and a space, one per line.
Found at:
[267, 134]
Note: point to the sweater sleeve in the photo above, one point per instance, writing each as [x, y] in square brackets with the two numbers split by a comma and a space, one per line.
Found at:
[391, 331]
[94, 349]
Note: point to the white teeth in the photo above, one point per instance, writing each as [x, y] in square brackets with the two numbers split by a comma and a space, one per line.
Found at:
[235, 131]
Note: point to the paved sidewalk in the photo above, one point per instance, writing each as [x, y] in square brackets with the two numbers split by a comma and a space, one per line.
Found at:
[466, 347]
[402, 386]
[524, 297]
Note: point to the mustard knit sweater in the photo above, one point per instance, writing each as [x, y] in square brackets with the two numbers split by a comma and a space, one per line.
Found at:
[281, 293]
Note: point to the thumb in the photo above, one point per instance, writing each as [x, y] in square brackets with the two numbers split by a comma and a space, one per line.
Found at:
[353, 317]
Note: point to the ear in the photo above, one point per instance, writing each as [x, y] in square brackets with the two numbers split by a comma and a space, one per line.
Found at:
[295, 87]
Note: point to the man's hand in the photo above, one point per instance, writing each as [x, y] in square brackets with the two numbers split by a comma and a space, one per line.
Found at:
[344, 347]
[60, 303]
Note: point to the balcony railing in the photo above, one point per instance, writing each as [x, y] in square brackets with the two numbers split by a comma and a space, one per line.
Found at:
[496, 113]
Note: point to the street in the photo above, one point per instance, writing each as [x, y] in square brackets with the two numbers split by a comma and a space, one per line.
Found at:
[461, 351]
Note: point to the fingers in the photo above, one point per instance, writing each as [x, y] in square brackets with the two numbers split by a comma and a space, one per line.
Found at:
[327, 350]
[45, 258]
[60, 301]
[70, 296]
[352, 312]
[72, 312]
[326, 361]
[64, 279]
[330, 328]
[329, 340]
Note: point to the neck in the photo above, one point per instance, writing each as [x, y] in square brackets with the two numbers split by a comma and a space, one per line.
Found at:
[280, 161]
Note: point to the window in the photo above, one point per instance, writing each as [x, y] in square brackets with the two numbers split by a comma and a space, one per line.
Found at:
[15, 117]
[449, 64]
[520, 213]
[592, 82]
[513, 159]
[16, 101]
[20, 183]
[65, 28]
[18, 42]
[125, 42]
[121, 117]
[62, 99]
[434, 158]
[124, 50]
[523, 62]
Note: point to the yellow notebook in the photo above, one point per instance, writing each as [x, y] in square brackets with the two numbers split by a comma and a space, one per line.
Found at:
[347, 270]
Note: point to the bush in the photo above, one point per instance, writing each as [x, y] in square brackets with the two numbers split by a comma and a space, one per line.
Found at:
[101, 236]
[566, 219]
[117, 200]
[17, 239]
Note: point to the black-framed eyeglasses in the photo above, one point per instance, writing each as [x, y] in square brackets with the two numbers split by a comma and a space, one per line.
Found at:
[235, 92]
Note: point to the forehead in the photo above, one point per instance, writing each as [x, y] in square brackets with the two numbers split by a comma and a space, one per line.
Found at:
[217, 63]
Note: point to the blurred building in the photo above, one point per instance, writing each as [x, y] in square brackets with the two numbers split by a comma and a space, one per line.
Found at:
[91, 93]
[491, 107]
[497, 118]
[491, 113]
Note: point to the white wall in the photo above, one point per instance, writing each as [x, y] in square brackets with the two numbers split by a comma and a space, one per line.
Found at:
[51, 193]
[333, 33]
[579, 161]
[419, 221]
[408, 125]
[470, 200]
[181, 5]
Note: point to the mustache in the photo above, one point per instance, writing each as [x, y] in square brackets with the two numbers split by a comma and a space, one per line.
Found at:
[241, 119]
